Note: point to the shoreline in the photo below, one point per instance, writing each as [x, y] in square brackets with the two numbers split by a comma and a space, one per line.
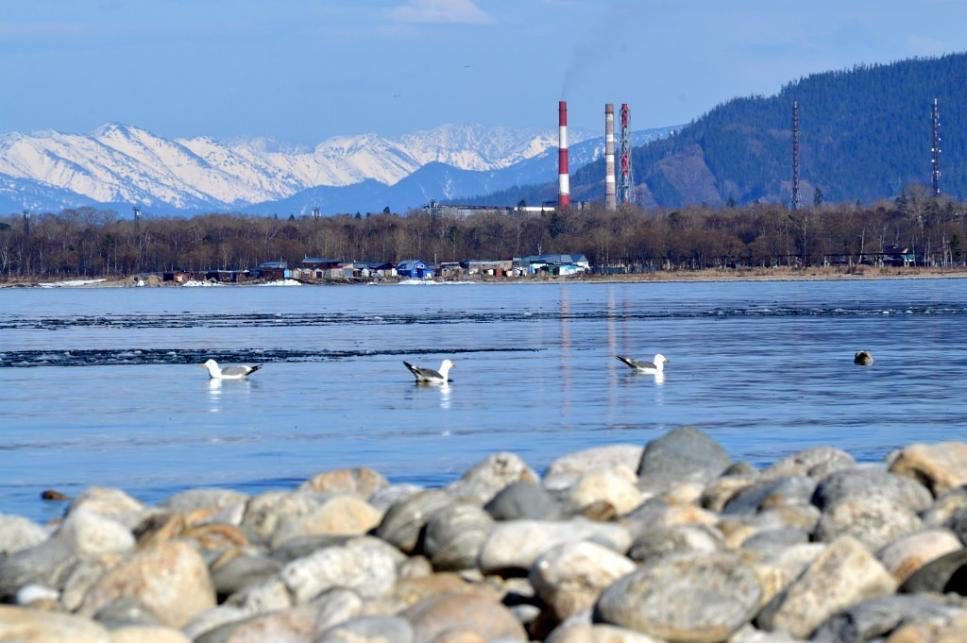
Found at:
[669, 540]
[672, 276]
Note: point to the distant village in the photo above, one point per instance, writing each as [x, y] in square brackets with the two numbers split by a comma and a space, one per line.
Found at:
[315, 270]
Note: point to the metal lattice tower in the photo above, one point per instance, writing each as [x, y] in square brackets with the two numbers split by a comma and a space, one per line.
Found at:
[795, 155]
[626, 177]
[26, 214]
[935, 149]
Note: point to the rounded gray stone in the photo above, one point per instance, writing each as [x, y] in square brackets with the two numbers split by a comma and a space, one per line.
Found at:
[652, 543]
[126, 611]
[785, 490]
[524, 499]
[242, 571]
[684, 453]
[878, 617]
[455, 535]
[700, 597]
[875, 521]
[869, 481]
[403, 523]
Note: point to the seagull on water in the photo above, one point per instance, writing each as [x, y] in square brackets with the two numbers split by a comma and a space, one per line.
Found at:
[654, 367]
[229, 372]
[428, 375]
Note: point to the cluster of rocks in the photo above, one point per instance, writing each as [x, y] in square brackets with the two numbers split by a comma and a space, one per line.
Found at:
[670, 542]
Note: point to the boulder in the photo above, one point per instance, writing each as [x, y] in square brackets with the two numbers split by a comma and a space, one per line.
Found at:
[265, 511]
[875, 521]
[90, 535]
[521, 500]
[34, 626]
[867, 481]
[242, 571]
[204, 498]
[369, 629]
[683, 453]
[905, 556]
[777, 568]
[268, 595]
[455, 535]
[213, 619]
[296, 624]
[84, 535]
[82, 578]
[516, 544]
[951, 631]
[362, 482]
[815, 463]
[570, 577]
[486, 478]
[843, 574]
[171, 579]
[343, 515]
[657, 514]
[402, 524]
[364, 565]
[878, 617]
[945, 507]
[947, 573]
[567, 469]
[387, 497]
[147, 634]
[773, 492]
[465, 612]
[124, 612]
[772, 539]
[110, 503]
[941, 466]
[617, 486]
[698, 597]
[588, 633]
[652, 543]
[719, 491]
[18, 533]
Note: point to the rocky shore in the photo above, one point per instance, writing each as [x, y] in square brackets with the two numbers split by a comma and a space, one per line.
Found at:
[620, 544]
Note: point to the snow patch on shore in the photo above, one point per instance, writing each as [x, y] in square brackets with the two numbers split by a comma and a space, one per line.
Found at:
[71, 283]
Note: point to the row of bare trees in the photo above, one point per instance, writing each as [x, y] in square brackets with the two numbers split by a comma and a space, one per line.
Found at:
[87, 242]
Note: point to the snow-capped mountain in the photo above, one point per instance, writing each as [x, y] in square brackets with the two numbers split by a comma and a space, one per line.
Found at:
[125, 164]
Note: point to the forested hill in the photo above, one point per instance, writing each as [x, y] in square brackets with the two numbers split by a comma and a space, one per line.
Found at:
[865, 133]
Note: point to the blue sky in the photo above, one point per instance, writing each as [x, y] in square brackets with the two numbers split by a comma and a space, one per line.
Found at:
[302, 70]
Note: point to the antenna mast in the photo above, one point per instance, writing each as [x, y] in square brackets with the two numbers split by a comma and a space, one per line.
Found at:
[795, 155]
[626, 180]
[935, 149]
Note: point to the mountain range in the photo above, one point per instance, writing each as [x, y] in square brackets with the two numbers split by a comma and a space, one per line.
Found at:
[119, 166]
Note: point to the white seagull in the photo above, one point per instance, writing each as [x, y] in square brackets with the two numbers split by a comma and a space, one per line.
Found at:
[428, 375]
[655, 367]
[229, 372]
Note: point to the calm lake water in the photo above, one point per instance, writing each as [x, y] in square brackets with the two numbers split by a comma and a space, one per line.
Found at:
[103, 387]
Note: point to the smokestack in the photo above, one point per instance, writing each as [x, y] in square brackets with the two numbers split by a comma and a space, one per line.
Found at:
[609, 185]
[563, 177]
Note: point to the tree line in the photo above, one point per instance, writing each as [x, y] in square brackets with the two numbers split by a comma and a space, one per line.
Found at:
[88, 242]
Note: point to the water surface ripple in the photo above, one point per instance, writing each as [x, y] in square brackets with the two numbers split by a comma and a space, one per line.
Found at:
[101, 386]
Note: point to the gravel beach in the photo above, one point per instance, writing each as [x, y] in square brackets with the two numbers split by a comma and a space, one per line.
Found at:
[668, 541]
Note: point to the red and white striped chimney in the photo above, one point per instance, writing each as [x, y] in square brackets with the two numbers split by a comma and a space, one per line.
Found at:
[563, 177]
